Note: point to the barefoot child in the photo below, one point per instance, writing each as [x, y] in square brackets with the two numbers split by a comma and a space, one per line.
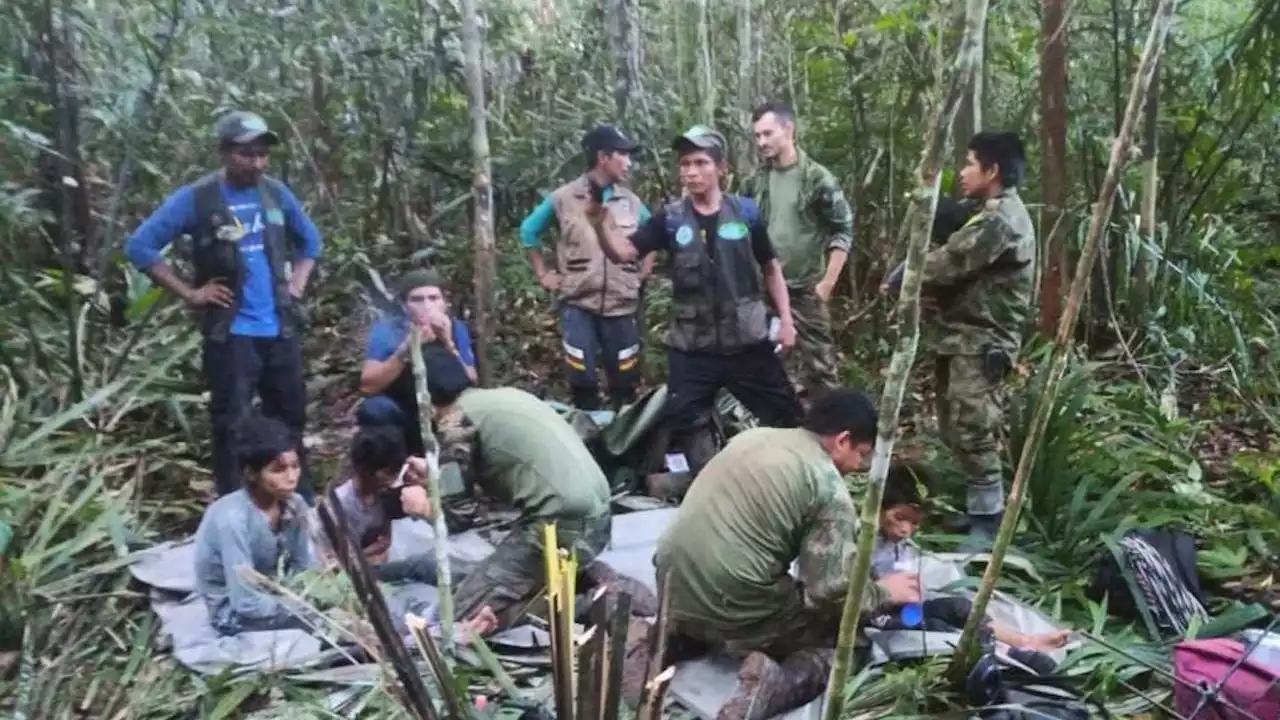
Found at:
[901, 513]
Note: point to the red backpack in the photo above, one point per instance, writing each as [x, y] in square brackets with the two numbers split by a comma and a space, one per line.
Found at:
[1216, 682]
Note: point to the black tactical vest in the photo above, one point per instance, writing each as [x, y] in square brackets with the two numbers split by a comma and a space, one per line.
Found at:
[716, 303]
[219, 257]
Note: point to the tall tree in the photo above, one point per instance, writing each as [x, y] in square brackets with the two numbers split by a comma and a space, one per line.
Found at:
[625, 27]
[925, 200]
[481, 188]
[1053, 171]
[746, 90]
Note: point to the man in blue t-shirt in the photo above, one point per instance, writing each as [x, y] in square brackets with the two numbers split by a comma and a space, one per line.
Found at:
[253, 249]
[386, 380]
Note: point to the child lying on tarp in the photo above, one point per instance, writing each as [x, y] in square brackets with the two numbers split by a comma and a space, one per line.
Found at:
[901, 512]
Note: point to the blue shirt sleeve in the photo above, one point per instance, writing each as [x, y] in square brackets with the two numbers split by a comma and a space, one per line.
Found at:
[536, 223]
[462, 339]
[644, 213]
[384, 338]
[300, 224]
[174, 217]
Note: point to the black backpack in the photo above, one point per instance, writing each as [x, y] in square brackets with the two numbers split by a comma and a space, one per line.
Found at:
[1151, 574]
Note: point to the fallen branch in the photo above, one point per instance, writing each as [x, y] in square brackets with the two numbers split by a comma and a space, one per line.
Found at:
[444, 581]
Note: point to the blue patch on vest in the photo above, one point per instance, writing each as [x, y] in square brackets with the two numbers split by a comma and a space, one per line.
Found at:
[684, 235]
[736, 230]
[275, 217]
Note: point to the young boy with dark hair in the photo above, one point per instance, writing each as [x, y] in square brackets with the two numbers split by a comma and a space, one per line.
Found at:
[901, 513]
[369, 501]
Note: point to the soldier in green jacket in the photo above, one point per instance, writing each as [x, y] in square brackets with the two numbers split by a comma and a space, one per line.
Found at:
[811, 225]
[772, 497]
[981, 282]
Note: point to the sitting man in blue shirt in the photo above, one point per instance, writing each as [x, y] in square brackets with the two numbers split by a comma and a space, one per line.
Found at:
[386, 380]
[253, 249]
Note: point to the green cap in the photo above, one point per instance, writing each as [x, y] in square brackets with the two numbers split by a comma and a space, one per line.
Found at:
[426, 277]
[702, 137]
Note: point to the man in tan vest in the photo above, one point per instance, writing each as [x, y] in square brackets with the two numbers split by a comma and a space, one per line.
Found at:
[598, 298]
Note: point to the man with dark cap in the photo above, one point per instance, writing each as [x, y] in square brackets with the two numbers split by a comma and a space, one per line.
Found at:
[598, 298]
[386, 380]
[722, 266]
[253, 250]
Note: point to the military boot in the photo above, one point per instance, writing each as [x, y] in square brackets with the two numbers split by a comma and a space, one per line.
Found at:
[767, 689]
[643, 600]
[982, 533]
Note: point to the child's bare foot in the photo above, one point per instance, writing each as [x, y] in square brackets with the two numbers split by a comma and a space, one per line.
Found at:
[1045, 642]
[482, 623]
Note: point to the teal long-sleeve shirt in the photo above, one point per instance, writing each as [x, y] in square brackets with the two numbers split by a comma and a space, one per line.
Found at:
[537, 222]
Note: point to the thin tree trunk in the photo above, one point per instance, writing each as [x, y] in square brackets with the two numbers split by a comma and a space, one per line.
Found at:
[969, 118]
[624, 25]
[1143, 259]
[746, 89]
[1160, 23]
[929, 175]
[1053, 178]
[481, 189]
[444, 581]
[708, 75]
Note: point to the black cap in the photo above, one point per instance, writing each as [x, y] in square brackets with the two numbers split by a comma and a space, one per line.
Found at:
[241, 127]
[607, 138]
[701, 137]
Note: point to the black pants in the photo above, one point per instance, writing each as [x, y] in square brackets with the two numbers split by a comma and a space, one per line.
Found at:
[235, 370]
[755, 376]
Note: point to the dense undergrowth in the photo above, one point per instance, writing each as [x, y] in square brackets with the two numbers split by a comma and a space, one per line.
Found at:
[1169, 416]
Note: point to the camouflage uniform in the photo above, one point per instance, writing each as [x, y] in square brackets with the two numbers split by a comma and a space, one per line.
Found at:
[519, 451]
[808, 216]
[769, 498]
[982, 278]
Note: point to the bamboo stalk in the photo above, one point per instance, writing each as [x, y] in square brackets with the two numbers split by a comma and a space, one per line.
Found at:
[929, 173]
[444, 581]
[591, 664]
[612, 671]
[439, 666]
[658, 640]
[655, 692]
[1062, 344]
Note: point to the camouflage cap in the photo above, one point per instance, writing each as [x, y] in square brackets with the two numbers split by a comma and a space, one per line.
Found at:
[241, 127]
[702, 137]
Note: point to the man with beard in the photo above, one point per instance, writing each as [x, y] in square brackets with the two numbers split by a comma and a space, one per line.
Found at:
[811, 226]
[253, 251]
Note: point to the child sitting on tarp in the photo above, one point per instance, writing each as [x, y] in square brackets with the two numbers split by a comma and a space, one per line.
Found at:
[379, 494]
[901, 512]
[262, 526]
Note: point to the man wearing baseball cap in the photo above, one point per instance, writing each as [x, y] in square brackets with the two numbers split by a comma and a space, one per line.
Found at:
[598, 298]
[722, 266]
[253, 249]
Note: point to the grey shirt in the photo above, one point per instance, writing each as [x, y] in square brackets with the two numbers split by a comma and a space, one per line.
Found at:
[234, 533]
[887, 555]
[361, 518]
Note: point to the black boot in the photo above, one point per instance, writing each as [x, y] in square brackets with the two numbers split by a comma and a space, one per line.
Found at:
[982, 533]
[586, 399]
